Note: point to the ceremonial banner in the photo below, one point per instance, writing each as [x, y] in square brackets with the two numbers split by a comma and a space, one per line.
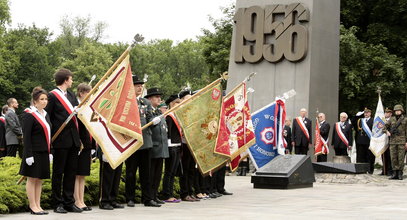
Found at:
[199, 118]
[268, 125]
[378, 140]
[236, 132]
[111, 115]
[321, 145]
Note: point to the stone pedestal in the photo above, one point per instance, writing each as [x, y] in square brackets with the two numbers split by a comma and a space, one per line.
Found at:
[341, 159]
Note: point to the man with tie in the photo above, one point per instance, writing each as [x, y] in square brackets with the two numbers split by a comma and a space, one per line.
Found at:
[342, 135]
[324, 128]
[301, 133]
[363, 123]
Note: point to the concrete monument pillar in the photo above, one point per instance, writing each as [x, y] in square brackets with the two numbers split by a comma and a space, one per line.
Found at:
[291, 44]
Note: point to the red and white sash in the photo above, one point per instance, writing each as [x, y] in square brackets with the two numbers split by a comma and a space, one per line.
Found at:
[66, 103]
[2, 119]
[341, 135]
[176, 122]
[43, 122]
[302, 126]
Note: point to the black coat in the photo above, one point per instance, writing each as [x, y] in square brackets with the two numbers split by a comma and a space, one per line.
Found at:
[33, 135]
[173, 132]
[347, 131]
[2, 134]
[160, 138]
[146, 115]
[298, 135]
[324, 130]
[287, 137]
[84, 135]
[360, 136]
[69, 136]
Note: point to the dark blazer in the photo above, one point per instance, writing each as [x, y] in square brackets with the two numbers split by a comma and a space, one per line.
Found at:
[146, 115]
[347, 131]
[13, 128]
[287, 137]
[33, 135]
[324, 130]
[85, 136]
[360, 136]
[160, 138]
[69, 136]
[298, 135]
[2, 134]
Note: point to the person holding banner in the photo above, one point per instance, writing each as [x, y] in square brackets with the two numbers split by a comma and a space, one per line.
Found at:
[301, 133]
[387, 169]
[363, 123]
[37, 145]
[61, 103]
[324, 128]
[396, 129]
[342, 135]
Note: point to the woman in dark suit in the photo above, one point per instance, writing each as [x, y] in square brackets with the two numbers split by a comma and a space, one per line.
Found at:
[84, 159]
[37, 143]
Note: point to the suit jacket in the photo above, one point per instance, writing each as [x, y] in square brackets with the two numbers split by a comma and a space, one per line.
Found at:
[347, 131]
[146, 115]
[69, 136]
[160, 138]
[324, 130]
[173, 132]
[84, 135]
[298, 135]
[33, 135]
[13, 128]
[287, 137]
[360, 136]
[3, 134]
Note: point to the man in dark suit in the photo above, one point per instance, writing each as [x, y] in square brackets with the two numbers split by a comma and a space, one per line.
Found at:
[363, 124]
[301, 133]
[160, 142]
[287, 136]
[61, 103]
[342, 136]
[141, 159]
[324, 128]
[14, 131]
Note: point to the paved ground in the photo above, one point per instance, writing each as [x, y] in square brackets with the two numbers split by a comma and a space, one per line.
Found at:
[382, 199]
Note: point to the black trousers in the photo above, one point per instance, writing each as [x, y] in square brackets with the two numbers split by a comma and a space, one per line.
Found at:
[386, 162]
[171, 167]
[341, 151]
[218, 181]
[12, 150]
[301, 150]
[198, 182]
[63, 175]
[140, 159]
[364, 155]
[109, 181]
[156, 173]
[188, 166]
[322, 158]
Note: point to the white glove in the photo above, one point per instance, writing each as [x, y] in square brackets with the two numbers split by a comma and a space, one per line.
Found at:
[79, 152]
[51, 158]
[360, 113]
[29, 161]
[156, 120]
[104, 158]
[93, 151]
[76, 109]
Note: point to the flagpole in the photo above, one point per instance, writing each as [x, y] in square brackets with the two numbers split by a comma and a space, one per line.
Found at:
[137, 38]
[223, 77]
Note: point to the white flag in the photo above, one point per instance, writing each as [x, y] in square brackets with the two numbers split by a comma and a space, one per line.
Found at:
[378, 141]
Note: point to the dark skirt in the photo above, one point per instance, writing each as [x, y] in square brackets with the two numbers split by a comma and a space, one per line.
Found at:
[39, 169]
[84, 160]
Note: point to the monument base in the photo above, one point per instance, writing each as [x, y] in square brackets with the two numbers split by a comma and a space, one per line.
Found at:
[328, 167]
[341, 159]
[285, 172]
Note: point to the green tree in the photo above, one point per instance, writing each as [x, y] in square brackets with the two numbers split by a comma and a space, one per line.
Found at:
[363, 69]
[5, 17]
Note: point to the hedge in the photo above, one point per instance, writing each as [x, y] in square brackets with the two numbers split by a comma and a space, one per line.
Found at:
[13, 197]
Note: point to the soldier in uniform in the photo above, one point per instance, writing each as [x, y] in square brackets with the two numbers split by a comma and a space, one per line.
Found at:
[396, 129]
[160, 142]
[342, 135]
[386, 169]
[363, 123]
[141, 158]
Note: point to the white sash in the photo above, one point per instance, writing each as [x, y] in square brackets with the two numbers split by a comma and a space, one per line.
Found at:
[341, 134]
[302, 126]
[366, 128]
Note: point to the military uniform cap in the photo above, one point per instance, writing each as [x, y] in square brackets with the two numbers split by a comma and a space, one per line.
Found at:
[171, 98]
[183, 93]
[153, 92]
[398, 108]
[367, 110]
[388, 110]
[136, 80]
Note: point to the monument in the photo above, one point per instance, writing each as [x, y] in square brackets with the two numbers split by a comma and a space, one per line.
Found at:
[290, 44]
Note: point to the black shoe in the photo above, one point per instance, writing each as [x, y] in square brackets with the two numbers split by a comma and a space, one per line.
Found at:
[87, 208]
[159, 201]
[151, 203]
[117, 205]
[44, 212]
[38, 213]
[400, 175]
[130, 203]
[73, 208]
[394, 175]
[226, 193]
[60, 209]
[217, 194]
[106, 206]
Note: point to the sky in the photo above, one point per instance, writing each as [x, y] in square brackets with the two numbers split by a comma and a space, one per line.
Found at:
[154, 19]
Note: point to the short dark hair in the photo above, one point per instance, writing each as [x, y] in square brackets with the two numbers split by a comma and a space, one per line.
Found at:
[61, 76]
[83, 87]
[37, 92]
[10, 101]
